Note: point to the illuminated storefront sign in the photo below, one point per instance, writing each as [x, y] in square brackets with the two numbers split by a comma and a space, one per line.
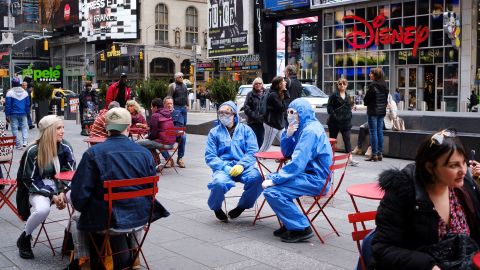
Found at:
[384, 35]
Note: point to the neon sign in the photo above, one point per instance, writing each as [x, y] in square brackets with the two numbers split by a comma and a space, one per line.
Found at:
[405, 35]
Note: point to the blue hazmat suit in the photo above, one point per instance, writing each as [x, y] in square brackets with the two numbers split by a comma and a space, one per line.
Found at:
[223, 152]
[306, 173]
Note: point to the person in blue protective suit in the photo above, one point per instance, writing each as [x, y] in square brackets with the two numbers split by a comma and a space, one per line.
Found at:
[229, 153]
[306, 143]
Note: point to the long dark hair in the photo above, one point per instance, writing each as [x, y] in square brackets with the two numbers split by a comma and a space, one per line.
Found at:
[378, 74]
[431, 150]
[276, 85]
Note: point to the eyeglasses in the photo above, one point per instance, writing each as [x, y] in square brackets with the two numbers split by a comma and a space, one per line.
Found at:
[224, 113]
[438, 137]
[342, 83]
[291, 111]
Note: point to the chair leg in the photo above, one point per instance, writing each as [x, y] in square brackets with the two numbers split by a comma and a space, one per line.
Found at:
[46, 235]
[310, 221]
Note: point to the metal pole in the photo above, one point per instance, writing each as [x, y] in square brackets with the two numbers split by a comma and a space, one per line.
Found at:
[10, 48]
[194, 72]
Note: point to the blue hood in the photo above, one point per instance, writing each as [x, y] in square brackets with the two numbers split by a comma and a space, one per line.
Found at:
[304, 110]
[232, 105]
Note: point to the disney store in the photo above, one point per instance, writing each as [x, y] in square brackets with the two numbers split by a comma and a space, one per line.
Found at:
[424, 47]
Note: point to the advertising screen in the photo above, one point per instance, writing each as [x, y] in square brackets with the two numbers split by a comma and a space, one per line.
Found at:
[108, 19]
[276, 5]
[230, 27]
[66, 14]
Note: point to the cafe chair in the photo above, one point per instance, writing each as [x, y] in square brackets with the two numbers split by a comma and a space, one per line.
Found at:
[359, 234]
[144, 187]
[9, 187]
[6, 154]
[312, 206]
[176, 132]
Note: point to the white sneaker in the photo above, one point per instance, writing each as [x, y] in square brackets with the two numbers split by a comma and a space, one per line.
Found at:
[353, 163]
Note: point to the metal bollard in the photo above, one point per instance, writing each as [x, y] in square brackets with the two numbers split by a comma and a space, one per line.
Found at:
[423, 106]
[443, 106]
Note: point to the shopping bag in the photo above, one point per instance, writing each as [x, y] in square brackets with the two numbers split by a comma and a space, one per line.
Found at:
[398, 124]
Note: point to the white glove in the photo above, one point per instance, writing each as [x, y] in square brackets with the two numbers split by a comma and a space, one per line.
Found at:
[267, 183]
[291, 129]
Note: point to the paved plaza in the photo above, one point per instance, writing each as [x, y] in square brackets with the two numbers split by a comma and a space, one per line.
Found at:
[192, 238]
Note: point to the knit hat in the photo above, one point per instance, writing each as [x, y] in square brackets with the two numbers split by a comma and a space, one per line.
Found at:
[118, 119]
[47, 121]
[16, 82]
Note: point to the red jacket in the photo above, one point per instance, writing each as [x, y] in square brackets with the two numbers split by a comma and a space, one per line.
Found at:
[112, 93]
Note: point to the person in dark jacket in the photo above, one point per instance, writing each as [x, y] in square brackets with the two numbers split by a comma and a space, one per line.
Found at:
[88, 107]
[423, 203]
[178, 90]
[340, 116]
[252, 109]
[376, 102]
[294, 87]
[274, 121]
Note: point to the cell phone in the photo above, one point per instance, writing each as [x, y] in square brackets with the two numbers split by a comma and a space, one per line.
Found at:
[472, 154]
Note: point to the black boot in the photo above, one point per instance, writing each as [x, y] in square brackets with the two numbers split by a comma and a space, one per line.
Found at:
[84, 132]
[221, 215]
[24, 244]
[372, 158]
[297, 236]
[236, 212]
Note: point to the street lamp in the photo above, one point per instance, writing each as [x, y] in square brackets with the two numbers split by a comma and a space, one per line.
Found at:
[147, 68]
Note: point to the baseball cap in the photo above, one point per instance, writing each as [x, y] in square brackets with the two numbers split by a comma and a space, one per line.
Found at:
[118, 119]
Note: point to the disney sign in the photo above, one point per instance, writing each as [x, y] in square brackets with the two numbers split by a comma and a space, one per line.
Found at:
[405, 35]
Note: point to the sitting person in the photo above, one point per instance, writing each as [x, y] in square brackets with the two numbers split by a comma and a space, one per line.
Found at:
[117, 158]
[98, 127]
[177, 122]
[48, 155]
[138, 120]
[425, 203]
[306, 143]
[229, 153]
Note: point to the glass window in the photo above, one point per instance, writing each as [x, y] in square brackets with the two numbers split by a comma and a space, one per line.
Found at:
[422, 21]
[439, 77]
[327, 33]
[451, 72]
[191, 29]
[412, 59]
[384, 10]
[453, 5]
[328, 74]
[327, 46]
[339, 31]
[339, 17]
[436, 38]
[451, 104]
[408, 9]
[360, 73]
[328, 60]
[371, 13]
[360, 12]
[451, 88]
[438, 56]
[422, 7]
[328, 19]
[396, 10]
[161, 24]
[339, 45]
[451, 55]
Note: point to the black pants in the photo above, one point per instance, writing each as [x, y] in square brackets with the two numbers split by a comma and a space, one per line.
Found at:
[118, 242]
[259, 132]
[345, 135]
[362, 134]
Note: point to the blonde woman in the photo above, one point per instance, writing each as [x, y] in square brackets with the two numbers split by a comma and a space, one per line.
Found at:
[48, 155]
[138, 120]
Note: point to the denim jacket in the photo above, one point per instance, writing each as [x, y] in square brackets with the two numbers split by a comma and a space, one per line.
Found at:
[115, 159]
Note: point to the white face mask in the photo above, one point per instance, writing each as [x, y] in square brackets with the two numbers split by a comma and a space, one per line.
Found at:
[291, 118]
[225, 120]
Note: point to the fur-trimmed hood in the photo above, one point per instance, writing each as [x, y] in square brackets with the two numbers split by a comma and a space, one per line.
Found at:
[400, 180]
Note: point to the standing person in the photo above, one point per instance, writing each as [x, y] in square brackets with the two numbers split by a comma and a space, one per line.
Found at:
[340, 116]
[473, 100]
[306, 143]
[202, 96]
[119, 92]
[397, 96]
[48, 155]
[427, 205]
[294, 87]
[88, 107]
[252, 109]
[17, 106]
[178, 90]
[177, 118]
[229, 153]
[376, 102]
[191, 98]
[29, 87]
[274, 120]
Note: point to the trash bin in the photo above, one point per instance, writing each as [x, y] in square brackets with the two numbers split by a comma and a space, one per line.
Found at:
[72, 107]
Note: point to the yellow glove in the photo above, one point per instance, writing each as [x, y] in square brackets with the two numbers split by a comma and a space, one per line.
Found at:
[236, 170]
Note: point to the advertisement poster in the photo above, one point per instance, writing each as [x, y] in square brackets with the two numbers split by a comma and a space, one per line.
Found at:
[229, 27]
[66, 14]
[108, 19]
[276, 5]
[331, 3]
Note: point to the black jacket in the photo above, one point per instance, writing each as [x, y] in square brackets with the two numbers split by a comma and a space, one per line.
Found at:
[294, 89]
[339, 111]
[276, 111]
[407, 220]
[376, 99]
[251, 108]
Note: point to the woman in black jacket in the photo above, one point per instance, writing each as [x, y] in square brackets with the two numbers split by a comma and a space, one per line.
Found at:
[274, 121]
[252, 109]
[423, 204]
[340, 116]
[376, 102]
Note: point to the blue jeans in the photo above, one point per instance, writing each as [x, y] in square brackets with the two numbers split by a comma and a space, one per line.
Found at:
[375, 126]
[17, 120]
[183, 112]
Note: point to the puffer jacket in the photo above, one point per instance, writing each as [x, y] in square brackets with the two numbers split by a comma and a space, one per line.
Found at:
[376, 99]
[407, 220]
[252, 107]
[276, 111]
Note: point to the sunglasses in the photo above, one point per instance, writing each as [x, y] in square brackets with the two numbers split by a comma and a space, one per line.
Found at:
[224, 113]
[291, 111]
[438, 137]
[342, 83]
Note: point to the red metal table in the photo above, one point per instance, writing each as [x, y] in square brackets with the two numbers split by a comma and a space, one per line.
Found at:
[369, 191]
[137, 132]
[65, 176]
[476, 260]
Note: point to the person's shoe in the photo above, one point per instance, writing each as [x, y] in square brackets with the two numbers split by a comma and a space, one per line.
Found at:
[297, 236]
[180, 163]
[24, 144]
[84, 132]
[280, 232]
[136, 263]
[379, 157]
[31, 127]
[372, 158]
[353, 163]
[24, 245]
[369, 151]
[73, 265]
[169, 164]
[235, 212]
[158, 168]
[357, 151]
[221, 215]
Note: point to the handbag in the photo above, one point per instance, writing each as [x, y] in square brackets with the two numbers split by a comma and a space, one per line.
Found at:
[454, 252]
[398, 124]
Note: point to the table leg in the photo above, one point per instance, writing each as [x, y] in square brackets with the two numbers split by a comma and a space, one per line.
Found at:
[356, 210]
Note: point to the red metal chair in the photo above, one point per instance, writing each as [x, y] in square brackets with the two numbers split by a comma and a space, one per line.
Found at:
[178, 133]
[312, 206]
[149, 190]
[10, 185]
[7, 144]
[359, 235]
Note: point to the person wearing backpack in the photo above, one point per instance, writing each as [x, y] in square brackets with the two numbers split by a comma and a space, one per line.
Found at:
[252, 109]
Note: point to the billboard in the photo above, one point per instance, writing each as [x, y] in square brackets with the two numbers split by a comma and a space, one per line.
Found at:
[275, 5]
[66, 15]
[230, 27]
[108, 19]
[331, 3]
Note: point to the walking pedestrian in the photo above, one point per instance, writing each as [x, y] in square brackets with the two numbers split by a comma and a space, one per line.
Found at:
[294, 87]
[178, 90]
[252, 109]
[17, 106]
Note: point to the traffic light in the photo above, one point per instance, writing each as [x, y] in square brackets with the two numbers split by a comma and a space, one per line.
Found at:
[45, 45]
[102, 57]
[113, 47]
[192, 70]
[140, 55]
